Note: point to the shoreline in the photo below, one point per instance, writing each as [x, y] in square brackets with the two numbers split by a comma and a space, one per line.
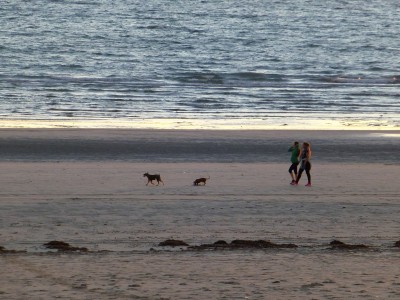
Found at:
[203, 124]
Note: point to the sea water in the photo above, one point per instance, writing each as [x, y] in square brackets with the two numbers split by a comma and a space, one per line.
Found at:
[265, 63]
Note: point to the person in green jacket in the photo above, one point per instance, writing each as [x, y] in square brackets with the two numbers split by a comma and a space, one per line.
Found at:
[294, 158]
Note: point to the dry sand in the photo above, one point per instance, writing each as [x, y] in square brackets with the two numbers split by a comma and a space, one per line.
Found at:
[102, 203]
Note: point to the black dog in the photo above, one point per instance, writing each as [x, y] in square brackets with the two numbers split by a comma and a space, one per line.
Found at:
[200, 180]
[150, 178]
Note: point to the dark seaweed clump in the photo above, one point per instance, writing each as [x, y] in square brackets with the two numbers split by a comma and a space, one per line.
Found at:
[173, 243]
[64, 247]
[223, 245]
[6, 251]
[338, 245]
[242, 244]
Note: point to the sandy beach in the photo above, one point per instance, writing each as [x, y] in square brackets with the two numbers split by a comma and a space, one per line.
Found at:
[86, 188]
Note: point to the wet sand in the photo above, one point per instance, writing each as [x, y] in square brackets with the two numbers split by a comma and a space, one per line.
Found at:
[104, 205]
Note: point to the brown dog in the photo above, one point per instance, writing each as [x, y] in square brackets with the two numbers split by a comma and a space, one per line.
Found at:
[150, 178]
[200, 180]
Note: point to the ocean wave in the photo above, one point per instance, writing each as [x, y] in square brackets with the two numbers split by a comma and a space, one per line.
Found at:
[362, 80]
[229, 79]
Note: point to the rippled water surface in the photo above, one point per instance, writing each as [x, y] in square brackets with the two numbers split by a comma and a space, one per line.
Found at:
[273, 61]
